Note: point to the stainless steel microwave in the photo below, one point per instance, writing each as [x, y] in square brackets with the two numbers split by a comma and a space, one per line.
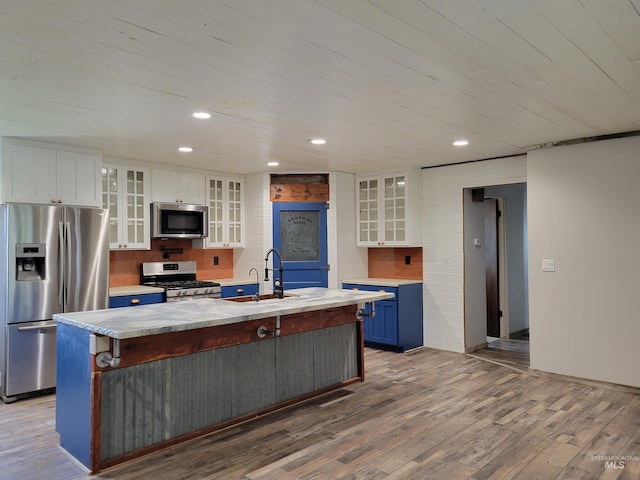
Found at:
[178, 220]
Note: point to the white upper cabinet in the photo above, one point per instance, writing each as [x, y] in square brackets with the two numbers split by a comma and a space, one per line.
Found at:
[125, 191]
[78, 178]
[45, 173]
[388, 207]
[225, 199]
[171, 186]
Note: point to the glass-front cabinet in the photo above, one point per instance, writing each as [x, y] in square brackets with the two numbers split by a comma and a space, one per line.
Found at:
[124, 193]
[385, 205]
[225, 199]
[368, 217]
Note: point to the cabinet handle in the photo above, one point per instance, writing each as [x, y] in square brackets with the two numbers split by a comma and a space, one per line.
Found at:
[125, 245]
[135, 301]
[53, 200]
[59, 200]
[240, 290]
[119, 245]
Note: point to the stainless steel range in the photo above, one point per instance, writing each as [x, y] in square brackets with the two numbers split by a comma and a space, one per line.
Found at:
[178, 280]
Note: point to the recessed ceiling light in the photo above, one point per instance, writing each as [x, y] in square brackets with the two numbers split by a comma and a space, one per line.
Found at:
[202, 115]
[185, 149]
[318, 141]
[461, 143]
[272, 164]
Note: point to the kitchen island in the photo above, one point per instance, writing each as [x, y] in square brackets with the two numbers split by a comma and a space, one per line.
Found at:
[134, 380]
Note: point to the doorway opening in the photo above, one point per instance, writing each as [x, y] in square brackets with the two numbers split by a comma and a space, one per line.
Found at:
[495, 266]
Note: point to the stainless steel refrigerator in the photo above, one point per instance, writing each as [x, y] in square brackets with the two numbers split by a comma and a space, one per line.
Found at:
[53, 259]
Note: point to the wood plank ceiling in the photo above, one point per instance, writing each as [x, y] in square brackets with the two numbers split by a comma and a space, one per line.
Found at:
[387, 82]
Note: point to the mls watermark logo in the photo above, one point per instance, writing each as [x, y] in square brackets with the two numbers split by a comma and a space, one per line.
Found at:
[615, 462]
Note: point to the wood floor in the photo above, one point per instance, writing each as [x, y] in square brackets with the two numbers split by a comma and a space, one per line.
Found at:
[426, 415]
[508, 352]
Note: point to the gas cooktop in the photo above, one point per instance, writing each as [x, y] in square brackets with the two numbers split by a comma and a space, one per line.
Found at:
[178, 279]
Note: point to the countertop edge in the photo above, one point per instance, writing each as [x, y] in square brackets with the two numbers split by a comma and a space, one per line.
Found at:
[305, 303]
[232, 282]
[382, 282]
[123, 291]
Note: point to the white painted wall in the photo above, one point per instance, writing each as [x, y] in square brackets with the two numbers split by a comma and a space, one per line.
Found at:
[584, 203]
[475, 299]
[442, 220]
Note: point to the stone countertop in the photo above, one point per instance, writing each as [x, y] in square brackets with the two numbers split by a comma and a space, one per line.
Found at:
[133, 290]
[230, 282]
[382, 282]
[160, 318]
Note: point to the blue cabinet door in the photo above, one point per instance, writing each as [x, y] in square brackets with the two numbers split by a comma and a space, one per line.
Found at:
[384, 326]
[134, 300]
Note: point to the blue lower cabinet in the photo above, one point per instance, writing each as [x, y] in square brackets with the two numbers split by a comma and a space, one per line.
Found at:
[230, 291]
[398, 321]
[384, 326]
[134, 300]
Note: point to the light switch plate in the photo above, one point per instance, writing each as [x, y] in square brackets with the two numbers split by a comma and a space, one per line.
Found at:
[548, 265]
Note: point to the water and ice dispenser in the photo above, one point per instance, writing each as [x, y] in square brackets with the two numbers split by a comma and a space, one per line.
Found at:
[30, 262]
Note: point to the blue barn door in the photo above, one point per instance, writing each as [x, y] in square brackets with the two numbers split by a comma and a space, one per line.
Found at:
[300, 234]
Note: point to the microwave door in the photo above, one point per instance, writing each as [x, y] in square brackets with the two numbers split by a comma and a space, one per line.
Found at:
[179, 221]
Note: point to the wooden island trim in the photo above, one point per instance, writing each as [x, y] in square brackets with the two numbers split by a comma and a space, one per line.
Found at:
[136, 350]
[139, 350]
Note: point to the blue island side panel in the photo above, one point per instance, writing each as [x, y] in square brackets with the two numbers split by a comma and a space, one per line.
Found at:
[73, 392]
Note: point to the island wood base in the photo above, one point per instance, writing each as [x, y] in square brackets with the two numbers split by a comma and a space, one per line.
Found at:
[172, 387]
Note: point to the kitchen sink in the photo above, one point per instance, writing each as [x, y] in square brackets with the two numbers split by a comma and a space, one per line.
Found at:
[264, 296]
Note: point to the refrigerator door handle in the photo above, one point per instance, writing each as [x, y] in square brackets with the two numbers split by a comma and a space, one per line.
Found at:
[37, 327]
[67, 259]
[61, 242]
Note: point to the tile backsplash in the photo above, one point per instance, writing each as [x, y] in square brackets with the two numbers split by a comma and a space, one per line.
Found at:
[124, 265]
[400, 263]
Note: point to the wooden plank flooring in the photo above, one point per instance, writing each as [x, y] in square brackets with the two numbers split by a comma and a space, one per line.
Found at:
[429, 414]
[509, 352]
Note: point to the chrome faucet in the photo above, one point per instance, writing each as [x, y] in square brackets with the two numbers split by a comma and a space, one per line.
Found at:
[256, 296]
[279, 281]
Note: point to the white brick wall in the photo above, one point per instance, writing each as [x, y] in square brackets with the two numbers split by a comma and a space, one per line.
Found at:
[346, 260]
[442, 220]
[258, 231]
